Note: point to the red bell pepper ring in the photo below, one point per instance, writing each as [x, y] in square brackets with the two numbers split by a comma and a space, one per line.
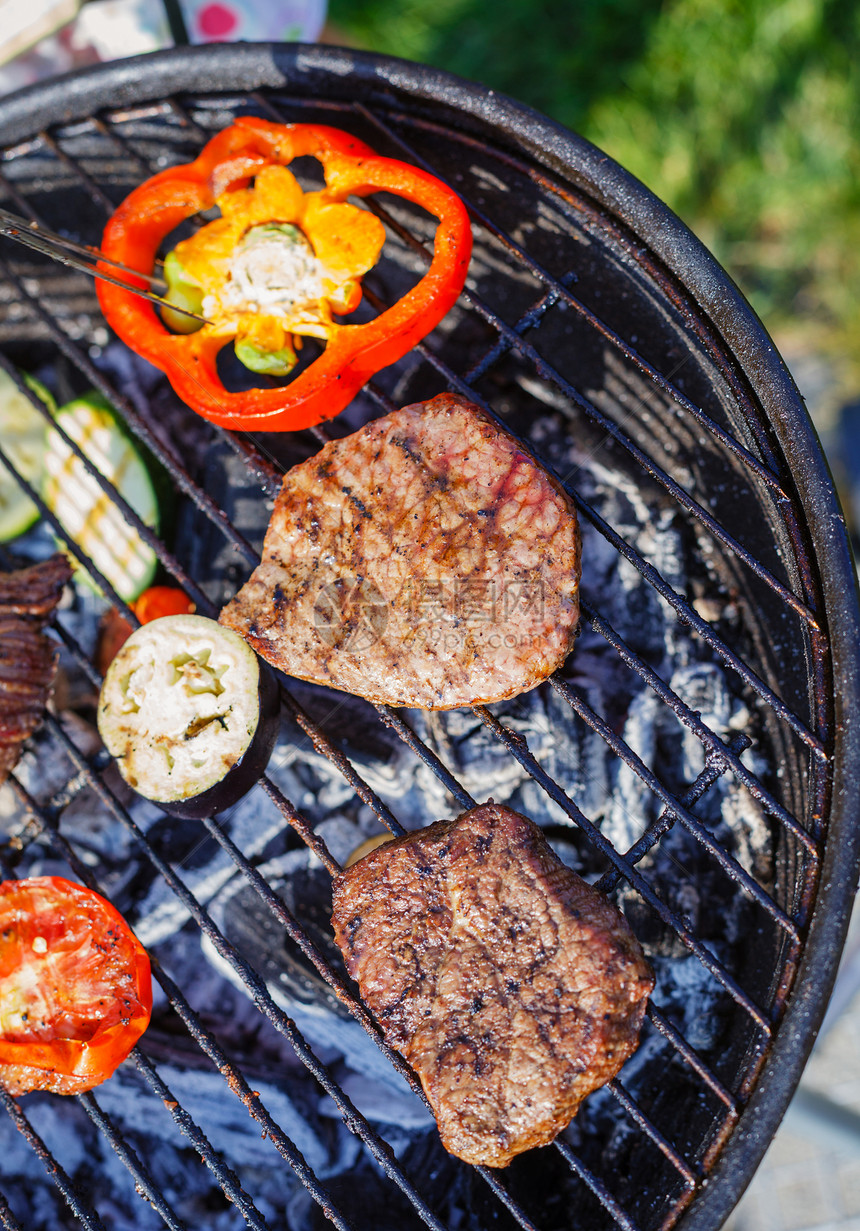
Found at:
[353, 353]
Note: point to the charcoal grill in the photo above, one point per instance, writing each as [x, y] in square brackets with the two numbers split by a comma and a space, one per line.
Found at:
[592, 321]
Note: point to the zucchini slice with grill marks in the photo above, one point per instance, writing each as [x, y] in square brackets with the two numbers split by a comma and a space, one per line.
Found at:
[88, 515]
[23, 432]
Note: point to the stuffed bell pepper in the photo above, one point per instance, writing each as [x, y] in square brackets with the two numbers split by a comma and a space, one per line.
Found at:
[277, 266]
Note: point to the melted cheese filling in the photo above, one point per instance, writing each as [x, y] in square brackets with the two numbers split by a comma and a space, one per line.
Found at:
[272, 271]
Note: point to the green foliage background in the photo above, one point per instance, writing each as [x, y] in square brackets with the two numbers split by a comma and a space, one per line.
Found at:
[743, 115]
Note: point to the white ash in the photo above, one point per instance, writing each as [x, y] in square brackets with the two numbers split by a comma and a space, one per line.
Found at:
[608, 792]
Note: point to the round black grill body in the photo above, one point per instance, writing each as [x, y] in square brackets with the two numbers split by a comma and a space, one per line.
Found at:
[697, 756]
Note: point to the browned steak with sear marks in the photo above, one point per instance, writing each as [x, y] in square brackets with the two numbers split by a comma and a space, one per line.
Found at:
[425, 560]
[511, 986]
[28, 657]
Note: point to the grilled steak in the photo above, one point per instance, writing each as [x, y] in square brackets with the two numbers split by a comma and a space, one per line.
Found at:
[28, 658]
[511, 986]
[425, 560]
[36, 590]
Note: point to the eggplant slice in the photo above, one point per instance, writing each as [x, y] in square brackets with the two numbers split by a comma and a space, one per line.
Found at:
[189, 713]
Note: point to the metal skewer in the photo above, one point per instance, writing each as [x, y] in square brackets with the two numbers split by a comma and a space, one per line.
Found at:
[84, 258]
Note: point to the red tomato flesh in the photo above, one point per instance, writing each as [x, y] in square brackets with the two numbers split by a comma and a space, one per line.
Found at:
[75, 987]
[160, 601]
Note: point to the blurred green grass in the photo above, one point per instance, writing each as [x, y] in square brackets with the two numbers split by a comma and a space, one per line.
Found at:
[743, 115]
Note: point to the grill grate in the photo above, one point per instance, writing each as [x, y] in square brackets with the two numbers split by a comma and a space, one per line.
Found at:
[638, 402]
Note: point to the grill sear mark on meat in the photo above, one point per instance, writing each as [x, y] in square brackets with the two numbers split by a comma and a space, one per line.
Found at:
[425, 560]
[511, 986]
[28, 657]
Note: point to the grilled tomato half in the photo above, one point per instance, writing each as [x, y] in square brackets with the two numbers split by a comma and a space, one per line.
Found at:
[75, 987]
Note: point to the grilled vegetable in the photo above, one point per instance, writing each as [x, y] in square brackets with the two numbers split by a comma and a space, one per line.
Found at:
[115, 629]
[22, 437]
[159, 601]
[277, 265]
[75, 987]
[184, 294]
[190, 713]
[86, 513]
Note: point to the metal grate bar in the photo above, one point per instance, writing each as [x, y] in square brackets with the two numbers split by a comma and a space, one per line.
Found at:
[21, 203]
[517, 746]
[354, 1120]
[513, 337]
[339, 759]
[664, 822]
[78, 654]
[285, 1146]
[693, 826]
[97, 196]
[225, 1176]
[287, 920]
[84, 1213]
[487, 1174]
[597, 1186]
[393, 720]
[558, 287]
[691, 720]
[258, 461]
[186, 120]
[641, 1120]
[117, 139]
[300, 824]
[686, 613]
[664, 1027]
[143, 1182]
[7, 1218]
